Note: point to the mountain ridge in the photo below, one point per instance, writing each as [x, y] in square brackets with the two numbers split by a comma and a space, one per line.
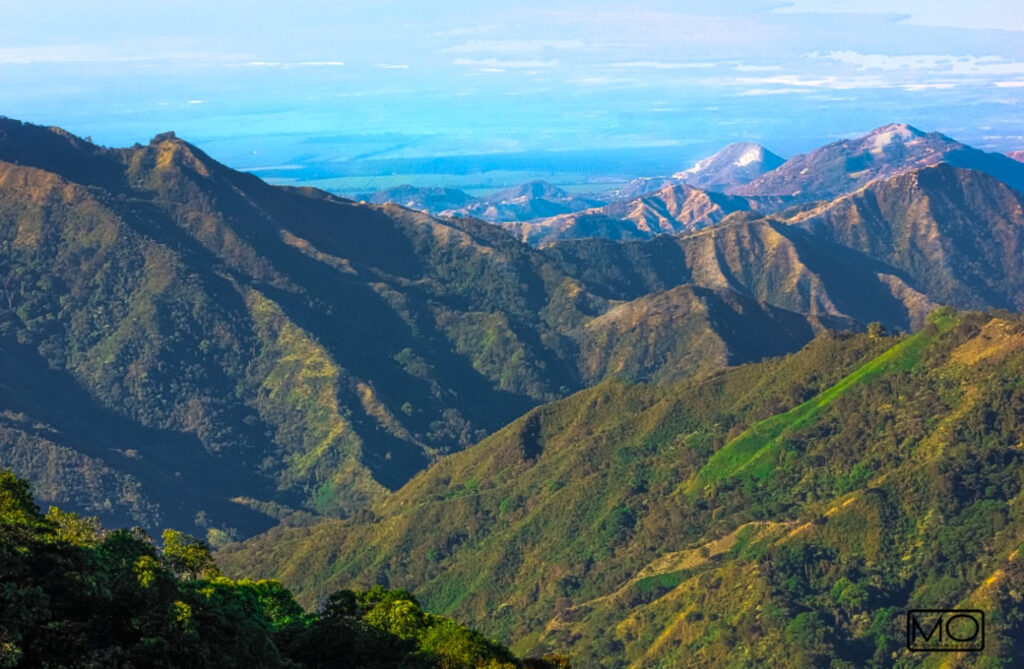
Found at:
[315, 353]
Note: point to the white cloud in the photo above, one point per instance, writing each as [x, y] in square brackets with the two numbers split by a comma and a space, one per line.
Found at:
[195, 102]
[789, 80]
[976, 15]
[942, 63]
[290, 65]
[792, 82]
[770, 91]
[925, 87]
[390, 66]
[87, 53]
[661, 65]
[741, 67]
[1010, 84]
[514, 46]
[504, 64]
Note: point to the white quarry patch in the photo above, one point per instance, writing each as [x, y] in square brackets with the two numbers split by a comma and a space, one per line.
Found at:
[698, 167]
[751, 155]
[890, 134]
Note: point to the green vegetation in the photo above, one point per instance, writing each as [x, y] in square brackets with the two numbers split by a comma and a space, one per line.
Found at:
[185, 346]
[753, 452]
[173, 330]
[74, 595]
[893, 482]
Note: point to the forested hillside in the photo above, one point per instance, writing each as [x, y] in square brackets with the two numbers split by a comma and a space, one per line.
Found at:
[780, 514]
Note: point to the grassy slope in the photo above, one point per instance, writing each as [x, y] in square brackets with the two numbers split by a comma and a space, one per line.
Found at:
[751, 453]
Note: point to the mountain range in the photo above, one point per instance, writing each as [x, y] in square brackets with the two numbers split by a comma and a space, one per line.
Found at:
[846, 165]
[748, 177]
[536, 199]
[310, 353]
[567, 442]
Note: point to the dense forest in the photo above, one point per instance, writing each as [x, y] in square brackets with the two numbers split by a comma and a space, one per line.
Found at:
[75, 595]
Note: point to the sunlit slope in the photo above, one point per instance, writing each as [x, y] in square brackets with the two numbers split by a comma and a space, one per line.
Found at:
[617, 526]
[190, 346]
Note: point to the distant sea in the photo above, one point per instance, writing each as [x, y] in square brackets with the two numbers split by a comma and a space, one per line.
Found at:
[580, 171]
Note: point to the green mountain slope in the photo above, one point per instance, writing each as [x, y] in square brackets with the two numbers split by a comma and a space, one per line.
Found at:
[186, 345]
[779, 514]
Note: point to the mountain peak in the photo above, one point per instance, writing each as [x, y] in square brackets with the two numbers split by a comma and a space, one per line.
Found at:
[531, 189]
[896, 130]
[163, 137]
[734, 165]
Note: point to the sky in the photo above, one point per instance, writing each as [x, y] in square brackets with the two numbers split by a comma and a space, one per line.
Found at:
[349, 93]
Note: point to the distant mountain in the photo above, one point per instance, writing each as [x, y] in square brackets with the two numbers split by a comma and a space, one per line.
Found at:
[890, 252]
[735, 165]
[637, 188]
[784, 514]
[433, 200]
[956, 235]
[536, 199]
[1016, 155]
[674, 209]
[844, 166]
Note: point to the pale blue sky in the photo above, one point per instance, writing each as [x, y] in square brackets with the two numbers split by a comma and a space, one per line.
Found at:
[263, 84]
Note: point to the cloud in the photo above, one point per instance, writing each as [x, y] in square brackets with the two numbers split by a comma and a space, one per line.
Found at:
[925, 87]
[975, 15]
[87, 53]
[770, 91]
[504, 64]
[514, 46]
[390, 66]
[795, 81]
[195, 102]
[1010, 84]
[788, 80]
[661, 65]
[741, 67]
[274, 64]
[941, 63]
